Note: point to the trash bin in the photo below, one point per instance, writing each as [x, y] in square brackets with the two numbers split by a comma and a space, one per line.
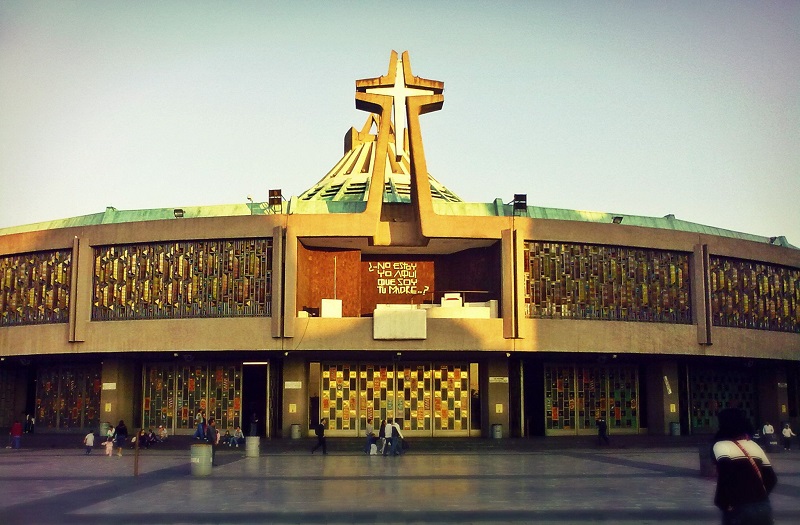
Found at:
[252, 446]
[295, 431]
[674, 429]
[497, 431]
[708, 469]
[201, 460]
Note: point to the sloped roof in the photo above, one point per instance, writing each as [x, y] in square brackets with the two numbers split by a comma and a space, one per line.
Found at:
[350, 179]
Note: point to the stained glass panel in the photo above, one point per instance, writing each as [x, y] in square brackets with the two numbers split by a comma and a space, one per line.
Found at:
[35, 287]
[215, 278]
[748, 294]
[580, 281]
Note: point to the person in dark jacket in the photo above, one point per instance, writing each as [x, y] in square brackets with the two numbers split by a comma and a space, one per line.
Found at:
[745, 476]
[120, 436]
[320, 431]
[212, 436]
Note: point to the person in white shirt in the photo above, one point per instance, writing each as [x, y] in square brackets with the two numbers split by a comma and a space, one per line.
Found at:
[787, 436]
[88, 441]
[397, 439]
[388, 434]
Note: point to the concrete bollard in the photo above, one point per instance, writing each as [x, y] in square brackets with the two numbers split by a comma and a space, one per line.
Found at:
[201, 460]
[251, 446]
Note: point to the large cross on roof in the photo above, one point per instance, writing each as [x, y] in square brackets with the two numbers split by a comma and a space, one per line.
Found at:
[400, 85]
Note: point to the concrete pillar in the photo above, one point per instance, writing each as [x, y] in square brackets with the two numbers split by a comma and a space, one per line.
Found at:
[497, 387]
[663, 402]
[295, 395]
[116, 397]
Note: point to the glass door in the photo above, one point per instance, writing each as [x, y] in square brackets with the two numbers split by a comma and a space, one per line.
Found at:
[426, 399]
[576, 396]
[172, 395]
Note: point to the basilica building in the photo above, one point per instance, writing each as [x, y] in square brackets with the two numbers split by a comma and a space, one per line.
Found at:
[379, 293]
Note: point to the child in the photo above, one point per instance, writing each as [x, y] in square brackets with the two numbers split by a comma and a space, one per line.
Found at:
[109, 443]
[89, 442]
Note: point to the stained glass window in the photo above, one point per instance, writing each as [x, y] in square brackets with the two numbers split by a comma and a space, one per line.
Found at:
[68, 397]
[748, 294]
[586, 281]
[221, 278]
[576, 396]
[173, 394]
[714, 388]
[34, 288]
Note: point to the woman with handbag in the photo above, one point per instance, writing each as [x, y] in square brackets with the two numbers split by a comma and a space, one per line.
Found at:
[744, 474]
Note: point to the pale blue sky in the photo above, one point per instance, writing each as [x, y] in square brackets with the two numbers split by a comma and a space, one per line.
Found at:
[645, 108]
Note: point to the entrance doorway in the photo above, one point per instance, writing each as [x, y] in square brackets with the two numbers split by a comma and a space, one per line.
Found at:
[576, 396]
[254, 396]
[426, 398]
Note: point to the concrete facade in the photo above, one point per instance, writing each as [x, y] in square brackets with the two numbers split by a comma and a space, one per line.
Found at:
[319, 254]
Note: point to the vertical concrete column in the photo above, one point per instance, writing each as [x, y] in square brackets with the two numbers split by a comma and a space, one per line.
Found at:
[278, 264]
[701, 294]
[773, 396]
[663, 401]
[295, 394]
[116, 397]
[509, 278]
[289, 282]
[80, 306]
[498, 396]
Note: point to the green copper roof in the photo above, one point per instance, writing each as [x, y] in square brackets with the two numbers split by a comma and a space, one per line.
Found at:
[669, 222]
[473, 209]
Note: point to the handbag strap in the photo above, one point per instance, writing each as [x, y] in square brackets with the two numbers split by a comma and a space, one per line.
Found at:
[753, 464]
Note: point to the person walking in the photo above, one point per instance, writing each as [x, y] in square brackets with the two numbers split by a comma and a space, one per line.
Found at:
[381, 443]
[745, 476]
[320, 431]
[388, 430]
[602, 431]
[109, 442]
[88, 442]
[368, 431]
[120, 437]
[397, 439]
[16, 434]
[787, 436]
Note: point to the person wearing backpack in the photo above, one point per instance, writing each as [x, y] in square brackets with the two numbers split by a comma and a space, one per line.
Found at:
[320, 431]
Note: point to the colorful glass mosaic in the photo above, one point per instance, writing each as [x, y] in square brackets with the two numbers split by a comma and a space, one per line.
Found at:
[576, 396]
[339, 393]
[423, 397]
[617, 283]
[173, 394]
[713, 388]
[8, 396]
[35, 287]
[221, 278]
[748, 294]
[68, 397]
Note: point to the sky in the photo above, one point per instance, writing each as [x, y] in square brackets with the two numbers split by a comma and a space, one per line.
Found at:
[645, 108]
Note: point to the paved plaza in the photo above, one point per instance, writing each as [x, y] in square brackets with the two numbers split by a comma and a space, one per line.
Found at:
[487, 485]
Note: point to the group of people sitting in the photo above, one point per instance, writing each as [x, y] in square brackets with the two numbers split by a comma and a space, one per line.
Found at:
[149, 438]
[232, 440]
